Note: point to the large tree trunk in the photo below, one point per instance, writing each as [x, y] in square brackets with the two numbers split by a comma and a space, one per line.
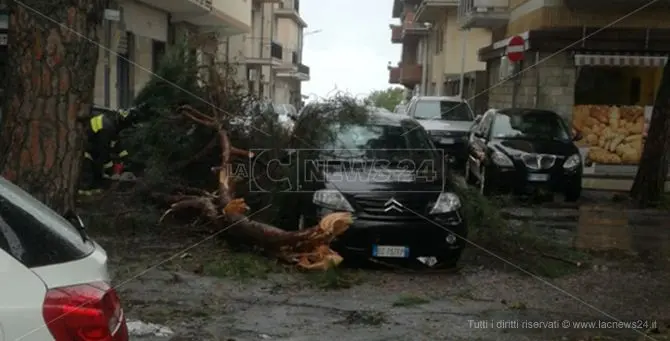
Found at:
[652, 171]
[53, 53]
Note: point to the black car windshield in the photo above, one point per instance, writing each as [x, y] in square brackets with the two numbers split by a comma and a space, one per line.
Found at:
[530, 124]
[442, 110]
[377, 141]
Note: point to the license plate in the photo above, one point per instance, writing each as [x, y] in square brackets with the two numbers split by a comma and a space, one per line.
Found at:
[384, 251]
[538, 177]
[447, 141]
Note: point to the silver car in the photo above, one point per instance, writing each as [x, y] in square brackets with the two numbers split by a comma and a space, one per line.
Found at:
[447, 119]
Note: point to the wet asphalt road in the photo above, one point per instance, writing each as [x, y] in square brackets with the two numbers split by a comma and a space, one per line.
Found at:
[481, 302]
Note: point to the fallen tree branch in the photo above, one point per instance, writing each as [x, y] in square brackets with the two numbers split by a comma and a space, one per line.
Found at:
[309, 248]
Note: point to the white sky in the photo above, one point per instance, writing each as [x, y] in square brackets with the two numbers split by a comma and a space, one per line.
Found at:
[353, 49]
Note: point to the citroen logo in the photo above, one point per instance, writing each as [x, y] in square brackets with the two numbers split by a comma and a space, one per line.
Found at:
[392, 204]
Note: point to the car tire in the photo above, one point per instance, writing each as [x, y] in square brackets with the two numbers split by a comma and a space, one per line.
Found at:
[449, 260]
[573, 194]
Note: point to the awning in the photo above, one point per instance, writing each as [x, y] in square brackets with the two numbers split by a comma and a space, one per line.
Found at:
[620, 60]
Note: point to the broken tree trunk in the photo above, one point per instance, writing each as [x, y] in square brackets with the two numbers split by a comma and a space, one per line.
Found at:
[307, 248]
[649, 184]
[50, 78]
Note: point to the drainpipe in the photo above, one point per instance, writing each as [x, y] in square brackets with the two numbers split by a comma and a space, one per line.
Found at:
[464, 44]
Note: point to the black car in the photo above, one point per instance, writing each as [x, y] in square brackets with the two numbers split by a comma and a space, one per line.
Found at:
[524, 151]
[389, 175]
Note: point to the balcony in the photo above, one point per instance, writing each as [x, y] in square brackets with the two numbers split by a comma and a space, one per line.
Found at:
[394, 75]
[411, 28]
[410, 74]
[487, 14]
[396, 34]
[226, 17]
[290, 9]
[626, 6]
[433, 10]
[304, 69]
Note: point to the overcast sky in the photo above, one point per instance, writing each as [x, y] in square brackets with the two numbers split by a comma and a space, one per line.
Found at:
[353, 49]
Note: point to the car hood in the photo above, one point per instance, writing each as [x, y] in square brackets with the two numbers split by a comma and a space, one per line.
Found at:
[441, 125]
[361, 179]
[515, 147]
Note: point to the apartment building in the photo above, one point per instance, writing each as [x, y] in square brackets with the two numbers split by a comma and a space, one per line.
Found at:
[140, 33]
[270, 56]
[445, 47]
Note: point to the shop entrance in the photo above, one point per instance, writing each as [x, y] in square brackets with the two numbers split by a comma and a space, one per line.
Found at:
[614, 96]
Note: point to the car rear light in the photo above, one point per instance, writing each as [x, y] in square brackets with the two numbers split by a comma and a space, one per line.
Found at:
[85, 312]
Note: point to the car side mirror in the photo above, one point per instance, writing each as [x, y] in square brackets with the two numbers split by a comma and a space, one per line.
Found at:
[478, 118]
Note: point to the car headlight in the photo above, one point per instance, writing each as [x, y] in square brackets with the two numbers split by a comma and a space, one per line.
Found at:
[332, 199]
[446, 202]
[501, 160]
[572, 162]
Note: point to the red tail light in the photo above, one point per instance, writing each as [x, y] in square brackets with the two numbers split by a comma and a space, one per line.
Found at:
[85, 313]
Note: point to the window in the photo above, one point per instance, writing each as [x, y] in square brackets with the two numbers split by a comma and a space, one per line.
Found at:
[377, 141]
[442, 110]
[34, 234]
[534, 124]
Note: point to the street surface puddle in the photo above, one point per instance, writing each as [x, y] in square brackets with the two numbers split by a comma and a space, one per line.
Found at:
[636, 231]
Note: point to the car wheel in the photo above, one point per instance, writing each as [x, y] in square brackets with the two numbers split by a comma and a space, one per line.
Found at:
[449, 260]
[573, 194]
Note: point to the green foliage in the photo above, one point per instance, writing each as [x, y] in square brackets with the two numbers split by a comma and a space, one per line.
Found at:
[167, 144]
[387, 99]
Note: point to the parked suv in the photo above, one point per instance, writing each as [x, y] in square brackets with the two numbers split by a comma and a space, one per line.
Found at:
[54, 283]
[388, 174]
[447, 119]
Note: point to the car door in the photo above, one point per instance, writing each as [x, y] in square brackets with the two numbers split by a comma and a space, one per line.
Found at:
[478, 142]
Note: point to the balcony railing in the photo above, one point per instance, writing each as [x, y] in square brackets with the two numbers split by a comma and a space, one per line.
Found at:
[302, 68]
[410, 74]
[626, 6]
[394, 75]
[396, 34]
[412, 28]
[276, 51]
[483, 13]
[433, 10]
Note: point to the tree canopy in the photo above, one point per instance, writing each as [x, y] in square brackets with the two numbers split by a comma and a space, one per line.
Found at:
[388, 98]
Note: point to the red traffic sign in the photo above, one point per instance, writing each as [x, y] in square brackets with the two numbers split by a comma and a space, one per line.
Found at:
[515, 47]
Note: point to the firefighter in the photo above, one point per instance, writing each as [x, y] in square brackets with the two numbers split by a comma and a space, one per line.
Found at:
[105, 155]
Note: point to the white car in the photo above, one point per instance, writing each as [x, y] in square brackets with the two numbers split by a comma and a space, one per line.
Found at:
[54, 282]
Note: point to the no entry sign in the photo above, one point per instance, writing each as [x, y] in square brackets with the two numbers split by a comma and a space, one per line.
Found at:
[515, 47]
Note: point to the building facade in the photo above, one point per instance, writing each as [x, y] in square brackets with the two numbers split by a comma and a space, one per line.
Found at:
[598, 64]
[140, 35]
[261, 39]
[270, 56]
[441, 45]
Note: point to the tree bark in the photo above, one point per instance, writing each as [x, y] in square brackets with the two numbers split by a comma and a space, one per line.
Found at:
[649, 184]
[53, 53]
